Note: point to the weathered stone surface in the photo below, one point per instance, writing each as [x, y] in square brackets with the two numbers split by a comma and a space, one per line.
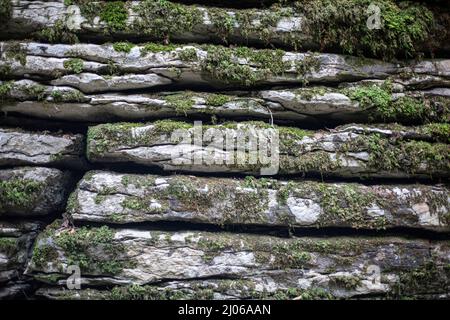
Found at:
[107, 197]
[310, 105]
[20, 147]
[98, 68]
[347, 152]
[33, 191]
[16, 239]
[205, 290]
[280, 26]
[343, 267]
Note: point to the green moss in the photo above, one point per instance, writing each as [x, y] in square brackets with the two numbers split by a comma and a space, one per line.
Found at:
[58, 33]
[161, 18]
[217, 100]
[67, 96]
[376, 96]
[36, 91]
[115, 15]
[43, 254]
[77, 246]
[5, 10]
[74, 65]
[268, 20]
[342, 23]
[290, 256]
[181, 102]
[379, 100]
[5, 89]
[223, 22]
[307, 65]
[348, 282]
[430, 277]
[72, 205]
[223, 64]
[17, 52]
[123, 46]
[88, 9]
[408, 156]
[157, 47]
[20, 193]
[317, 161]
[137, 292]
[189, 54]
[8, 246]
[438, 131]
[346, 204]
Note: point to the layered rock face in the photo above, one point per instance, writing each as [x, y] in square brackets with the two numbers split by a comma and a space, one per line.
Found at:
[259, 150]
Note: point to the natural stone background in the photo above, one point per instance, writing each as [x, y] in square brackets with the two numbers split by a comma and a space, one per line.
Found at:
[91, 91]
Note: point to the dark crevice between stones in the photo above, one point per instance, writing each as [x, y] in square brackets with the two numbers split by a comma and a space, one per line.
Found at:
[279, 231]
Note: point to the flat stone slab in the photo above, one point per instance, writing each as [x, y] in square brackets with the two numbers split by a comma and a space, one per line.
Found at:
[310, 105]
[343, 267]
[282, 25]
[93, 68]
[108, 197]
[351, 151]
[21, 147]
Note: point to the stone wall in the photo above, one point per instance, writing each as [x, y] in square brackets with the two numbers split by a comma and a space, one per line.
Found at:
[92, 93]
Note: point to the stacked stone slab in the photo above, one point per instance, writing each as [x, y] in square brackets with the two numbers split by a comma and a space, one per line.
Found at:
[359, 206]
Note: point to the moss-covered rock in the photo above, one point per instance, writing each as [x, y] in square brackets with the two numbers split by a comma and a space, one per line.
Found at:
[30, 191]
[306, 263]
[107, 197]
[405, 28]
[351, 152]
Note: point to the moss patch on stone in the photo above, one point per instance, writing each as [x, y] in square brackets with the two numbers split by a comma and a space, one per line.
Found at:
[123, 46]
[409, 156]
[5, 10]
[92, 249]
[161, 18]
[74, 65]
[21, 193]
[115, 15]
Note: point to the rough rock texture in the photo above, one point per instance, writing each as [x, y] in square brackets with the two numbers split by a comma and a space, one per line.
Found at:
[312, 105]
[107, 197]
[348, 122]
[342, 267]
[16, 239]
[347, 152]
[19, 147]
[33, 191]
[281, 25]
[98, 68]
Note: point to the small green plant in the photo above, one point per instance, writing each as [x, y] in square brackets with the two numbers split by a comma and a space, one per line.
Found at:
[74, 65]
[115, 15]
[123, 47]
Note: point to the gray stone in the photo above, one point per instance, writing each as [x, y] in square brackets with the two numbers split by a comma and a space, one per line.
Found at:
[342, 267]
[108, 197]
[20, 147]
[33, 191]
[347, 152]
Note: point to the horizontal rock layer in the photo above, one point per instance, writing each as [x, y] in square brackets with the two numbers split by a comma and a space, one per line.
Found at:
[94, 68]
[16, 240]
[293, 27]
[259, 265]
[33, 191]
[310, 105]
[20, 147]
[352, 151]
[107, 197]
